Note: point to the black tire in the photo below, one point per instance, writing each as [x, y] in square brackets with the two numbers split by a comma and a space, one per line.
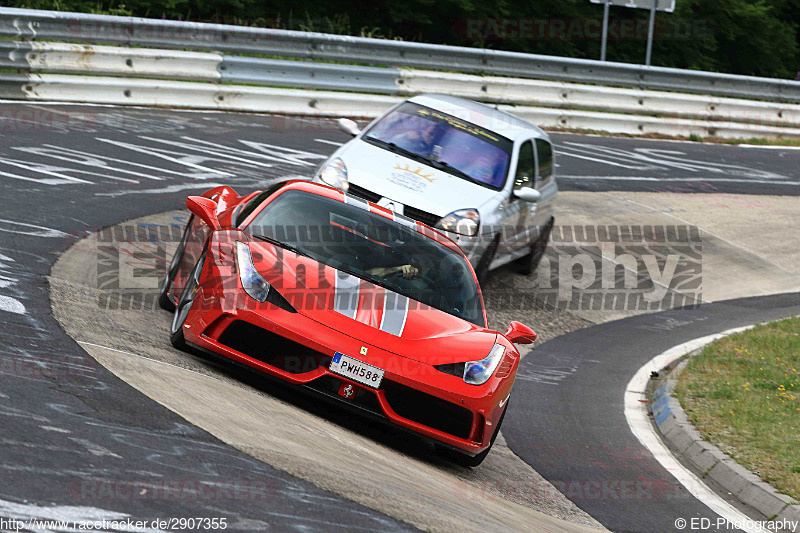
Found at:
[482, 270]
[527, 264]
[164, 301]
[469, 461]
[184, 305]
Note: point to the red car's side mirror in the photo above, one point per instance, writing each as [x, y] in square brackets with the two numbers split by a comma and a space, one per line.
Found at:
[519, 333]
[204, 208]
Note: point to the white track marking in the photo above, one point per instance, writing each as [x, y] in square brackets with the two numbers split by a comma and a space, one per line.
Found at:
[12, 305]
[221, 152]
[46, 181]
[562, 152]
[128, 162]
[655, 158]
[31, 230]
[277, 153]
[65, 518]
[677, 180]
[326, 141]
[143, 357]
[7, 303]
[767, 147]
[48, 169]
[57, 430]
[162, 154]
[90, 160]
[642, 428]
[94, 449]
[677, 141]
[297, 156]
[164, 190]
[40, 169]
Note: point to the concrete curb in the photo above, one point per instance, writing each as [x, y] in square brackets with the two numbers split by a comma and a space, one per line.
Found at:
[710, 461]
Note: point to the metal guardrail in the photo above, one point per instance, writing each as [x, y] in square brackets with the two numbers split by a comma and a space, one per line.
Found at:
[47, 58]
[242, 69]
[316, 103]
[23, 24]
[72, 71]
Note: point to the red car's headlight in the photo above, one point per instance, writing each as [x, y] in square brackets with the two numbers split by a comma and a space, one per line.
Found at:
[479, 372]
[252, 282]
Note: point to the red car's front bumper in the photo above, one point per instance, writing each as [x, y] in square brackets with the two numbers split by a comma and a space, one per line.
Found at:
[297, 349]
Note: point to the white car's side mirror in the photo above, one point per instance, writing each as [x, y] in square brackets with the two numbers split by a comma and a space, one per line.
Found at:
[527, 194]
[348, 126]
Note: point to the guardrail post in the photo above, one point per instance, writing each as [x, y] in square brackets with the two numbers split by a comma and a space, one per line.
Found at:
[650, 33]
[604, 42]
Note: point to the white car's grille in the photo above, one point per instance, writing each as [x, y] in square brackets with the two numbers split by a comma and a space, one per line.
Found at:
[411, 212]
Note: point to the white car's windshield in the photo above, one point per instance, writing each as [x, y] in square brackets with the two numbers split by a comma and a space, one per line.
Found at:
[371, 247]
[445, 142]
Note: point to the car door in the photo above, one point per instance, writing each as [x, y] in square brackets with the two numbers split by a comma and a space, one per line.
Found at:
[195, 244]
[542, 211]
[517, 212]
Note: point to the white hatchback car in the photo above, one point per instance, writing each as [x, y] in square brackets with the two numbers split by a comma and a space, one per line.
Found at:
[483, 176]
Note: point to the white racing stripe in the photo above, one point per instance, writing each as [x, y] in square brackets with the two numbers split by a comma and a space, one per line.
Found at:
[642, 428]
[356, 201]
[395, 313]
[405, 221]
[346, 292]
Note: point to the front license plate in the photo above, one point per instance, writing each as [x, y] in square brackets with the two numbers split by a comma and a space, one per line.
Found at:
[356, 370]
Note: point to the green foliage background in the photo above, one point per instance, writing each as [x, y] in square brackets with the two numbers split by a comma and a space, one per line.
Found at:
[754, 37]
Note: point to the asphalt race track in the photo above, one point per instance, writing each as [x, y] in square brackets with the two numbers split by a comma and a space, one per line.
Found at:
[76, 437]
[573, 431]
[596, 163]
[73, 435]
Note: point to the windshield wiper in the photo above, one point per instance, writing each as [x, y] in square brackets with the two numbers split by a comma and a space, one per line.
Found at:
[284, 245]
[439, 165]
[396, 149]
[447, 167]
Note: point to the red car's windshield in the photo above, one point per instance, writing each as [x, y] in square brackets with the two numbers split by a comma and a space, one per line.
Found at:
[448, 143]
[373, 248]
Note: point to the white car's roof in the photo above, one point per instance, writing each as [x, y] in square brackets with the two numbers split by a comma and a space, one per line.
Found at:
[492, 119]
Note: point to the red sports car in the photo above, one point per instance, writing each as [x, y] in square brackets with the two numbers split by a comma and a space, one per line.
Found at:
[350, 301]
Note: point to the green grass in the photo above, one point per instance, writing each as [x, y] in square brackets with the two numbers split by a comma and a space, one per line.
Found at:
[742, 393]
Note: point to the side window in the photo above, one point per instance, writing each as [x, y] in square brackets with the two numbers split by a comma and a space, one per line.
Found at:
[256, 201]
[545, 153]
[525, 163]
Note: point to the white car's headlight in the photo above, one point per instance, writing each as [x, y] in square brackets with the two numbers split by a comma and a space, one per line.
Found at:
[463, 221]
[252, 282]
[479, 372]
[334, 173]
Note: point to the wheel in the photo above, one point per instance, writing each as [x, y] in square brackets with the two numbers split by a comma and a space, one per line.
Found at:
[528, 263]
[482, 270]
[468, 461]
[184, 305]
[164, 301]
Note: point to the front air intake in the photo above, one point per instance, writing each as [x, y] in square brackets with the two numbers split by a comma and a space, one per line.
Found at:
[272, 349]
